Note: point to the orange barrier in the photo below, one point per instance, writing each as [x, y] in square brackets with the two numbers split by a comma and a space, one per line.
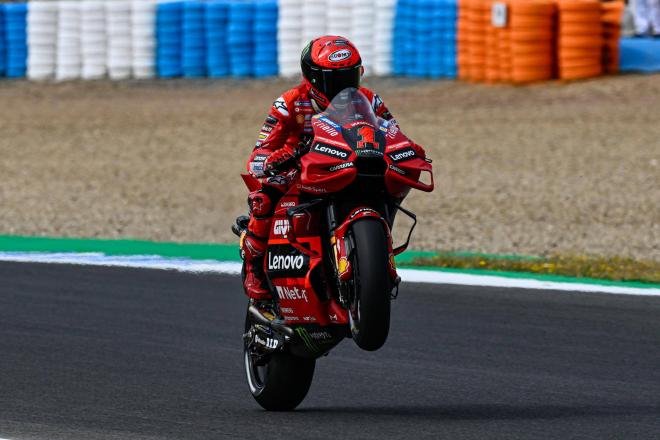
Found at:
[579, 46]
[531, 35]
[611, 17]
[541, 40]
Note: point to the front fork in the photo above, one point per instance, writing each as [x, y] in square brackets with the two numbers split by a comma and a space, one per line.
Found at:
[341, 243]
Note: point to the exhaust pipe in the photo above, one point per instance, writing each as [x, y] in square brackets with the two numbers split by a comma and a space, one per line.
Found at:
[274, 325]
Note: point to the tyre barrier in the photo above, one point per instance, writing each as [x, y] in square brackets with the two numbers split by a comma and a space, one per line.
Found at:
[143, 38]
[215, 21]
[3, 45]
[538, 40]
[193, 58]
[265, 38]
[42, 31]
[93, 40]
[119, 49]
[169, 39]
[16, 48]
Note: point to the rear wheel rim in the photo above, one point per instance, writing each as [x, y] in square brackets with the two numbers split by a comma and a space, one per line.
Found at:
[256, 375]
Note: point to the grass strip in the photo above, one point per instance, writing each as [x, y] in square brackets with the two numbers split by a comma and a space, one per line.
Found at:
[575, 266]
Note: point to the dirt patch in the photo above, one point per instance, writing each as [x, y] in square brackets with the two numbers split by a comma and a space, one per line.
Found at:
[532, 170]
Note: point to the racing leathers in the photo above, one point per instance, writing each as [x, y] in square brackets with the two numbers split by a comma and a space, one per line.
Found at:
[289, 119]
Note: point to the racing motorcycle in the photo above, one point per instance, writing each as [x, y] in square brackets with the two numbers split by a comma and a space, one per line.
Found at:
[330, 257]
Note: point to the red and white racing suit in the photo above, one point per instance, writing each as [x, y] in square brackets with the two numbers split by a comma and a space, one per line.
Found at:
[288, 119]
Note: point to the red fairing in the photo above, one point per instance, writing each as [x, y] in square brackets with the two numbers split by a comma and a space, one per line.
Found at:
[294, 254]
[342, 261]
[406, 163]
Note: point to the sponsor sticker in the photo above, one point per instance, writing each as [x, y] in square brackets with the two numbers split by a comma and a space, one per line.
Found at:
[266, 128]
[286, 261]
[330, 122]
[397, 170]
[271, 120]
[280, 106]
[342, 166]
[331, 151]
[291, 293]
[281, 228]
[287, 204]
[339, 55]
[402, 155]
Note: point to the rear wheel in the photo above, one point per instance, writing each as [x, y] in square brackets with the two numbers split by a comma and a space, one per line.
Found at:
[279, 381]
[370, 307]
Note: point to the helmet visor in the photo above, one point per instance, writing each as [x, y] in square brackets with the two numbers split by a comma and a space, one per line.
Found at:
[335, 80]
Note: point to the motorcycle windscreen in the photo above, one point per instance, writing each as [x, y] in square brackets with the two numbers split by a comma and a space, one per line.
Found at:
[350, 106]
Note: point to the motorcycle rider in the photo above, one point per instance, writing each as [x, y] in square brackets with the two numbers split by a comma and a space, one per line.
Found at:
[329, 65]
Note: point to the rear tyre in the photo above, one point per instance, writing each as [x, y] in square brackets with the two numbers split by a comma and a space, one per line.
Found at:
[282, 382]
[370, 308]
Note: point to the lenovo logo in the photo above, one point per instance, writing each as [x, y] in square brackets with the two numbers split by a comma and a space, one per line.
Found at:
[331, 151]
[401, 155]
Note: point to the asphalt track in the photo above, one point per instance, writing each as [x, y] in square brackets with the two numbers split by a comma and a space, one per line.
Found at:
[113, 353]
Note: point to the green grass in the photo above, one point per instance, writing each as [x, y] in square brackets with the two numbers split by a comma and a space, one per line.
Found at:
[578, 266]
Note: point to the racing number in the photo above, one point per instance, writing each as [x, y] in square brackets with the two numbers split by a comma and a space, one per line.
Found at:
[367, 137]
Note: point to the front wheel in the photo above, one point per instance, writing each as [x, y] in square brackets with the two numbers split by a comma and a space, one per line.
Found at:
[280, 381]
[370, 306]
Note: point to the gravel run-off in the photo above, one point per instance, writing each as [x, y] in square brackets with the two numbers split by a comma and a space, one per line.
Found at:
[570, 168]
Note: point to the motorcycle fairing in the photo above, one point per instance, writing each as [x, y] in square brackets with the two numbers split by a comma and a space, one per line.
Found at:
[294, 253]
[342, 247]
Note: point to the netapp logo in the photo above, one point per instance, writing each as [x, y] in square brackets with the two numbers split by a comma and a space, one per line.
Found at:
[291, 293]
[342, 166]
[401, 155]
[330, 151]
[287, 261]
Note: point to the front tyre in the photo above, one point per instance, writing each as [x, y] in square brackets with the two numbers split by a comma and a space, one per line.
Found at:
[370, 307]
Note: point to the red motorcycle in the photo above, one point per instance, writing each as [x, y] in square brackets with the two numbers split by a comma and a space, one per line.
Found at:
[330, 257]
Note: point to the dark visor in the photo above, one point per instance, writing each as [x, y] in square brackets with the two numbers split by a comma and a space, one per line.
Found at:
[336, 80]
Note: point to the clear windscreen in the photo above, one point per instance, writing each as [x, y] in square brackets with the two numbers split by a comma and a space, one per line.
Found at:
[350, 105]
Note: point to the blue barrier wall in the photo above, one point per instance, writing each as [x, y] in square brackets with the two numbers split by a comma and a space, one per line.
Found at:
[217, 56]
[16, 48]
[265, 38]
[194, 40]
[424, 38]
[169, 39]
[3, 46]
[240, 40]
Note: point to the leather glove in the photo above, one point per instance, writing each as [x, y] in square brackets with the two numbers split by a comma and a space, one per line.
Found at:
[277, 157]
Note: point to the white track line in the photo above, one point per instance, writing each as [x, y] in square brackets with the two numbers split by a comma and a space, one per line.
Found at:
[234, 268]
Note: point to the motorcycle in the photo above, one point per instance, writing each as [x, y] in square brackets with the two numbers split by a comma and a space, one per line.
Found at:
[330, 257]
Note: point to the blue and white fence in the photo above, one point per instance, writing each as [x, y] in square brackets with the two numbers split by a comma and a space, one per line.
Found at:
[119, 39]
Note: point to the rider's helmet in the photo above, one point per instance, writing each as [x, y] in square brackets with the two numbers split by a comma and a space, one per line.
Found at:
[330, 64]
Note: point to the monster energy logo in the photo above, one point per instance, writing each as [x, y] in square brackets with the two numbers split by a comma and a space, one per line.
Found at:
[309, 342]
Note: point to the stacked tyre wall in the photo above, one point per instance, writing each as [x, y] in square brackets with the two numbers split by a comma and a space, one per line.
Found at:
[538, 40]
[120, 39]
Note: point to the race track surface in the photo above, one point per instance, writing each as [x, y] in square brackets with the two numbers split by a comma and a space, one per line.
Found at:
[109, 353]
